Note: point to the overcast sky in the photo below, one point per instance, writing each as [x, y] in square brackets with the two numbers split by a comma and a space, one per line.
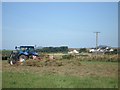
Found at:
[57, 24]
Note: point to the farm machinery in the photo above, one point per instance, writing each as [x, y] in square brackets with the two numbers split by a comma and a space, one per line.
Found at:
[22, 53]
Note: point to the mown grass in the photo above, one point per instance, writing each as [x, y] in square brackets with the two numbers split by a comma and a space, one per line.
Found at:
[86, 74]
[74, 72]
[89, 74]
[30, 80]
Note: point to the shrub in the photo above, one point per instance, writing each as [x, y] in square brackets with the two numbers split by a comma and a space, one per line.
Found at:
[67, 56]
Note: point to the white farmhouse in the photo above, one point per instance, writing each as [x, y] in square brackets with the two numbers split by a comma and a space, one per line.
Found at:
[73, 52]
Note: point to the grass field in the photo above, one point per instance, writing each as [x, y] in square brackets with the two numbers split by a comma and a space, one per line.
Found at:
[88, 74]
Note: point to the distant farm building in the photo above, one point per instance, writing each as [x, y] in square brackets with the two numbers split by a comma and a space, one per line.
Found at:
[73, 52]
[101, 49]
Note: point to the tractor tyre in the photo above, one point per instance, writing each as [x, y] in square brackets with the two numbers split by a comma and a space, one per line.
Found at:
[12, 60]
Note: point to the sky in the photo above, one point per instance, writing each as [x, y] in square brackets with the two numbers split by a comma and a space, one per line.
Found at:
[57, 24]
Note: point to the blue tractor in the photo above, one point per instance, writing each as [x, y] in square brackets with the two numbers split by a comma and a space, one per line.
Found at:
[22, 53]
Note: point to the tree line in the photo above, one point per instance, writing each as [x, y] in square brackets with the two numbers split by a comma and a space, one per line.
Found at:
[62, 49]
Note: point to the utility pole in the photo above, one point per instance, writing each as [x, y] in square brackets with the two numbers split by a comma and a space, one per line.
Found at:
[96, 39]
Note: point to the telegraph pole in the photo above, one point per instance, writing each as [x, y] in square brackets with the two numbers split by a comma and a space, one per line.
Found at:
[96, 39]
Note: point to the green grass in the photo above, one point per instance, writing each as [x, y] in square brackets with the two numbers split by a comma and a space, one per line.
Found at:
[30, 80]
[90, 74]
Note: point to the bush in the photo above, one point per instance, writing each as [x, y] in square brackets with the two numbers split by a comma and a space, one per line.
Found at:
[67, 56]
[83, 50]
[104, 58]
[6, 54]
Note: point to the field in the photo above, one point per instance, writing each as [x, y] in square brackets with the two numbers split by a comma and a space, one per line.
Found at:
[72, 73]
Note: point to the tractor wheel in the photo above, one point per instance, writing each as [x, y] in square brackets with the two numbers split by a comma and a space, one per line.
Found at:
[12, 60]
[22, 58]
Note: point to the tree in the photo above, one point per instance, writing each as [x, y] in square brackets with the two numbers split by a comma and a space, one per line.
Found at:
[63, 49]
[82, 50]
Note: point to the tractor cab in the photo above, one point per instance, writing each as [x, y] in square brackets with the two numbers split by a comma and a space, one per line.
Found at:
[26, 50]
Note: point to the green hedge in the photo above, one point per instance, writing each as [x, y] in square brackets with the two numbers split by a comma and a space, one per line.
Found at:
[6, 54]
